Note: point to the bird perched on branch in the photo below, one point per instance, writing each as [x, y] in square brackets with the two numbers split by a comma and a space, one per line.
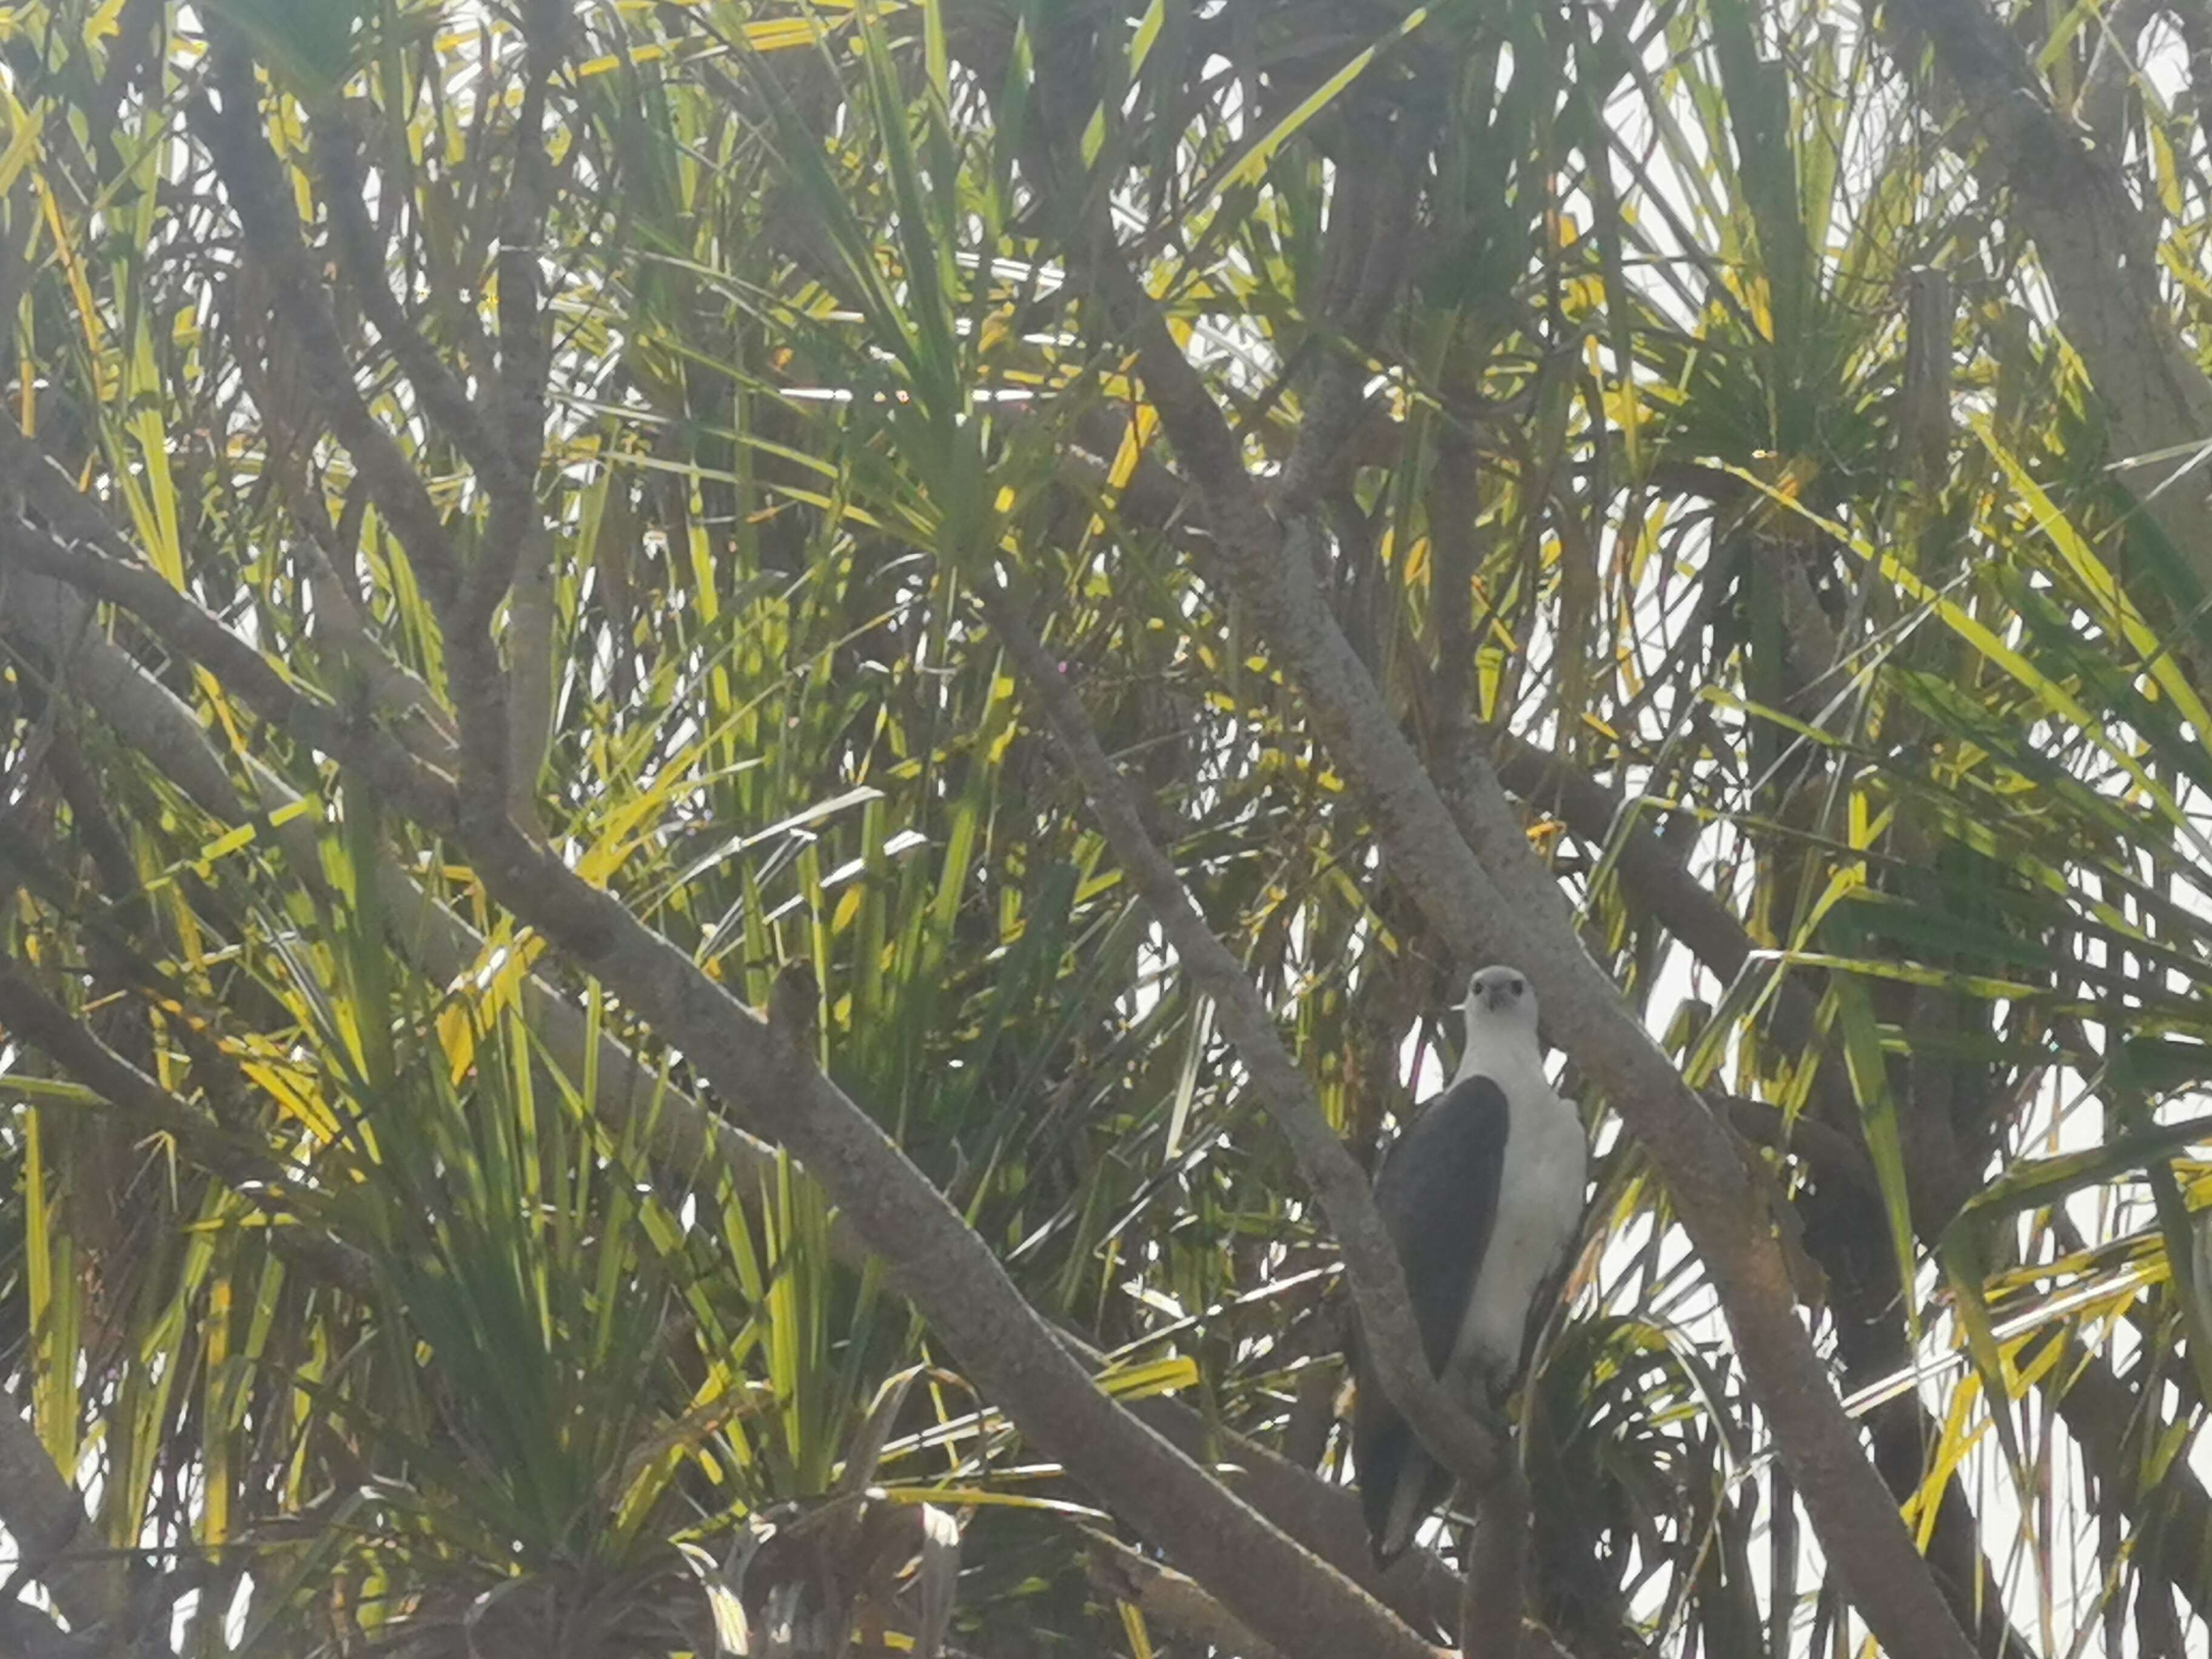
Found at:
[1483, 1196]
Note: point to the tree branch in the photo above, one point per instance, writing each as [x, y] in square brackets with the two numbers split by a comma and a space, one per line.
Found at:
[439, 389]
[1378, 1283]
[194, 635]
[29, 1633]
[1285, 1594]
[1490, 1614]
[1512, 910]
[1323, 1516]
[1159, 1592]
[2098, 250]
[29, 1013]
[44, 1515]
[250, 174]
[684, 1140]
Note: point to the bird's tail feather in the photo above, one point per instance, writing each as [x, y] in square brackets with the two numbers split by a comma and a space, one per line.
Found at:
[1420, 1490]
[1406, 1508]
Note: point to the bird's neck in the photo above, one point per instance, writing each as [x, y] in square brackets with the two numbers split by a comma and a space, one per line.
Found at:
[1493, 1051]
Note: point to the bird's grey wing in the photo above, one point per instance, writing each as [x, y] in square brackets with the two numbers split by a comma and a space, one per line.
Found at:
[1438, 1192]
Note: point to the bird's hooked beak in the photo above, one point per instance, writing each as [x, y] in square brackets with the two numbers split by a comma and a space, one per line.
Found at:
[1497, 994]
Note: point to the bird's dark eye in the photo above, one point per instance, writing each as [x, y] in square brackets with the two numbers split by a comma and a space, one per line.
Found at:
[1519, 986]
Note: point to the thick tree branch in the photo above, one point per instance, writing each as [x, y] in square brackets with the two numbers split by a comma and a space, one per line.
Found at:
[1323, 1516]
[46, 1517]
[1274, 1585]
[26, 1011]
[1163, 1594]
[1650, 869]
[682, 1137]
[1655, 873]
[1378, 1284]
[253, 177]
[195, 636]
[1512, 910]
[1490, 1614]
[685, 1140]
[29, 1633]
[525, 359]
[504, 446]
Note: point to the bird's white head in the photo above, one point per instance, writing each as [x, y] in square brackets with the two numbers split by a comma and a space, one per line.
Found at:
[1500, 1005]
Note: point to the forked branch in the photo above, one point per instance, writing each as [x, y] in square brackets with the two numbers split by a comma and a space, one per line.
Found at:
[1505, 906]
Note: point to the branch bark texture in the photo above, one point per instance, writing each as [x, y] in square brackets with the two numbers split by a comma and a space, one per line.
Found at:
[46, 1517]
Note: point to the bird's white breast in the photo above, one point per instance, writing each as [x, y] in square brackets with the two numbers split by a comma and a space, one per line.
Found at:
[1540, 1202]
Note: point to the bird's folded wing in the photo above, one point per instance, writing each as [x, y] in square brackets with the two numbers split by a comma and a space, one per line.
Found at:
[1438, 1192]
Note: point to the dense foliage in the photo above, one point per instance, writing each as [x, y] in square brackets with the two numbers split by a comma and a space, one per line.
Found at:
[1686, 410]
